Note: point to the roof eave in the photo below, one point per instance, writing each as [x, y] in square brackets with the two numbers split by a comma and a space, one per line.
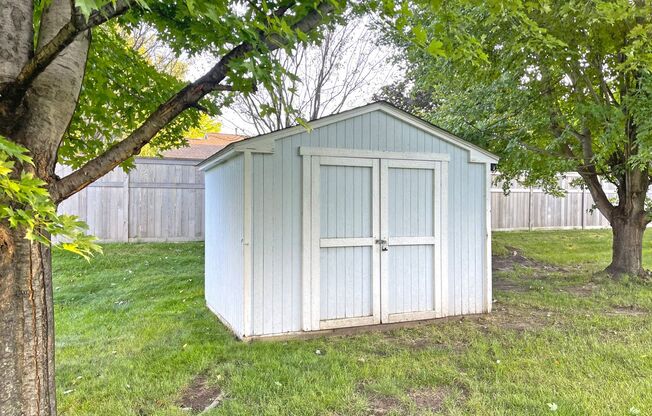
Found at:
[265, 143]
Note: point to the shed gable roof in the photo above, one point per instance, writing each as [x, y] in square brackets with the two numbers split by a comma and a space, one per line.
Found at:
[265, 142]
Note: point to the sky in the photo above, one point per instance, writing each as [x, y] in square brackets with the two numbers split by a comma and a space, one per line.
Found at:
[384, 73]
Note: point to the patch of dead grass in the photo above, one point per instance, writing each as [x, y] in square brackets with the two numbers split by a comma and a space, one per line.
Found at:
[199, 395]
[628, 310]
[430, 399]
[380, 405]
[515, 259]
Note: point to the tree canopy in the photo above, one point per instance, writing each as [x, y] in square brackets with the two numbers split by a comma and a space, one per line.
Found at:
[127, 90]
[551, 86]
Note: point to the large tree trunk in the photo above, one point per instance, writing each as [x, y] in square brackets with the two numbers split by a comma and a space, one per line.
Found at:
[628, 221]
[26, 327]
[627, 245]
[27, 385]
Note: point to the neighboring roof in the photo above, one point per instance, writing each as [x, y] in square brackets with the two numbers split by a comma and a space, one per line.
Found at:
[203, 148]
[476, 153]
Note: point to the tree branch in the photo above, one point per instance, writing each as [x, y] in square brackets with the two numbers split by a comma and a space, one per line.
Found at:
[66, 35]
[165, 113]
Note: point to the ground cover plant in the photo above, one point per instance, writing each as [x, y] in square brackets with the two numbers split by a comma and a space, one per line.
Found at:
[134, 338]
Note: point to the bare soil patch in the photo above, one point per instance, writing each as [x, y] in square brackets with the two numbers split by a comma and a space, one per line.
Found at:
[630, 310]
[514, 259]
[504, 285]
[430, 399]
[519, 320]
[583, 290]
[380, 405]
[199, 395]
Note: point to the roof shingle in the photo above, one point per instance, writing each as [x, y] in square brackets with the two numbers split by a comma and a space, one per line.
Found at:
[203, 148]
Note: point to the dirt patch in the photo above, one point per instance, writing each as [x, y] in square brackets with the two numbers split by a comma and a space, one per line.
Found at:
[417, 341]
[380, 405]
[630, 310]
[585, 290]
[515, 259]
[199, 395]
[430, 399]
[519, 320]
[503, 285]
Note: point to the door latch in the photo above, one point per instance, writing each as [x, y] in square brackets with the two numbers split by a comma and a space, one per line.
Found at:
[383, 245]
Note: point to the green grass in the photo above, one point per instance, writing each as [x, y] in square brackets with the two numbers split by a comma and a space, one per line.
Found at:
[133, 333]
[589, 248]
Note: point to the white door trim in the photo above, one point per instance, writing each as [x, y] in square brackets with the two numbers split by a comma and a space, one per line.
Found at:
[346, 242]
[312, 242]
[313, 159]
[306, 243]
[384, 228]
[438, 240]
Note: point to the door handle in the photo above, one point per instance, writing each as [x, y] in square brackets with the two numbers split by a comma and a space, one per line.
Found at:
[383, 245]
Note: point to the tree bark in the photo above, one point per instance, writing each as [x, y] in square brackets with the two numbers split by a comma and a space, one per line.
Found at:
[628, 222]
[627, 247]
[52, 98]
[27, 385]
[26, 327]
[16, 37]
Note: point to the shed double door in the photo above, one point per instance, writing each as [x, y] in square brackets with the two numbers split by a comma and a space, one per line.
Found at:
[376, 229]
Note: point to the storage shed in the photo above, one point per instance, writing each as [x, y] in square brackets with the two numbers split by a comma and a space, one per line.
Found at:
[373, 216]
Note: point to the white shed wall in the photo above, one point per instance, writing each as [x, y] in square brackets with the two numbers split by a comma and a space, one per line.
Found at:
[277, 204]
[224, 258]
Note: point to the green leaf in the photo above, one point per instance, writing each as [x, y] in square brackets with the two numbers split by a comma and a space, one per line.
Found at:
[420, 34]
[435, 48]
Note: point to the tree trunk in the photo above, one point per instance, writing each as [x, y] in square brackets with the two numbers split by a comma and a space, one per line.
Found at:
[26, 327]
[627, 246]
[27, 385]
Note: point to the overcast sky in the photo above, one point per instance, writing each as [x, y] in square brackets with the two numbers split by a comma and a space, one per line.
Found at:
[385, 74]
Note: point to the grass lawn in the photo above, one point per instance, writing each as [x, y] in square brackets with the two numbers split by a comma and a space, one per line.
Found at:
[134, 338]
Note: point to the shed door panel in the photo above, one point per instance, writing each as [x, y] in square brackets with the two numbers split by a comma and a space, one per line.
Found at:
[348, 228]
[346, 283]
[411, 222]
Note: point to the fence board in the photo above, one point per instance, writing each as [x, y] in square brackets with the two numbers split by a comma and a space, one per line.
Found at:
[528, 208]
[159, 200]
[163, 200]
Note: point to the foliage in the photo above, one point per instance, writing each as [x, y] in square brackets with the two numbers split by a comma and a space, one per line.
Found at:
[205, 125]
[125, 82]
[25, 204]
[123, 86]
[120, 90]
[536, 81]
[553, 337]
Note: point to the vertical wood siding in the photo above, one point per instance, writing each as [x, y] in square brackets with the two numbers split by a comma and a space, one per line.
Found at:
[411, 278]
[346, 211]
[277, 204]
[345, 282]
[345, 201]
[410, 272]
[224, 258]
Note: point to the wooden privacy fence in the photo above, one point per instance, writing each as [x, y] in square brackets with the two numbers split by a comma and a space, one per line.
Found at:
[159, 200]
[528, 208]
[163, 200]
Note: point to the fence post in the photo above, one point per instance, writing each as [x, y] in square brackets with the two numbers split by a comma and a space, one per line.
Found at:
[583, 207]
[529, 209]
[125, 199]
